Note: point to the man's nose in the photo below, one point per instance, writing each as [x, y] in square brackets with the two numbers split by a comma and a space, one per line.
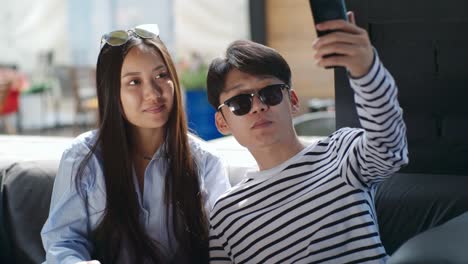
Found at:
[258, 105]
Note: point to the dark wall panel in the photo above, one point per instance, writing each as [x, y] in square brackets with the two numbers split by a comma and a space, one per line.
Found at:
[424, 44]
[257, 21]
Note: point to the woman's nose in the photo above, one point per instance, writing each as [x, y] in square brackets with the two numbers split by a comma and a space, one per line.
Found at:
[153, 90]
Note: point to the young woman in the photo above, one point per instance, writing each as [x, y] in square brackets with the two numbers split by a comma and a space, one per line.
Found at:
[136, 190]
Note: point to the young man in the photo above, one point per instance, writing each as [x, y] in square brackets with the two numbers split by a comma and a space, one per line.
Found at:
[306, 204]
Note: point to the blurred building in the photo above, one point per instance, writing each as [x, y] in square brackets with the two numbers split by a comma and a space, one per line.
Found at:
[48, 39]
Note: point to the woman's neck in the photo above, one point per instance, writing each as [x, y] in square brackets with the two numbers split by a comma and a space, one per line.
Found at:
[145, 142]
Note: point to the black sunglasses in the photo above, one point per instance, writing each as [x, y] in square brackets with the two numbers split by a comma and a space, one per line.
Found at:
[269, 95]
[120, 37]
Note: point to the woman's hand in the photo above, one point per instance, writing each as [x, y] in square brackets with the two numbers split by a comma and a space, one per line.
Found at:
[350, 42]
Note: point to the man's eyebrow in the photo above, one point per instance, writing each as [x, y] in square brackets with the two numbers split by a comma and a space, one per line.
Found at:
[233, 88]
[259, 78]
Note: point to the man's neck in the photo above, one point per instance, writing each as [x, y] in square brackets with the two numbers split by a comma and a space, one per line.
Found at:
[273, 155]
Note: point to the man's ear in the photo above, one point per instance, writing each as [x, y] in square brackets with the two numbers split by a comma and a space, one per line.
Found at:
[295, 105]
[221, 124]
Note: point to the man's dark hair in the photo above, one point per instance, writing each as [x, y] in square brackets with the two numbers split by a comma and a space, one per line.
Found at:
[249, 57]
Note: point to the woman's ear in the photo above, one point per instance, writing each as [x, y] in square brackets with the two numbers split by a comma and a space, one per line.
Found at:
[295, 105]
[221, 124]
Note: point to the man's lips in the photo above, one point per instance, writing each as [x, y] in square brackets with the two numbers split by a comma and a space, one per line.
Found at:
[154, 109]
[261, 123]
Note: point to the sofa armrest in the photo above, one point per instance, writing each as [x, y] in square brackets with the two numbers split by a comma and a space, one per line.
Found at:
[26, 193]
[5, 245]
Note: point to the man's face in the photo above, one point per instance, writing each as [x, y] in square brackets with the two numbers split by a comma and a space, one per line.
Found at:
[263, 125]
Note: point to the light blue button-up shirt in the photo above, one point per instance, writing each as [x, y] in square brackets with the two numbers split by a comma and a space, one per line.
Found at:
[65, 234]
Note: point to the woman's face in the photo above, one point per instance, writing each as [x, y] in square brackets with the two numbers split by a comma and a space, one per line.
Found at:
[146, 88]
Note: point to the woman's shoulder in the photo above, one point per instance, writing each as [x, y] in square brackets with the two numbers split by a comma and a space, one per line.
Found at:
[201, 148]
[82, 144]
[80, 149]
[212, 170]
[205, 154]
[76, 153]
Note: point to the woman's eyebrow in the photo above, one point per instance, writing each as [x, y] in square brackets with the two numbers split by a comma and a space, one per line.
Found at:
[137, 73]
[130, 74]
[162, 66]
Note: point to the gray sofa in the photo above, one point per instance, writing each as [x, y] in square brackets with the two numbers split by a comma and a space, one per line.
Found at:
[407, 204]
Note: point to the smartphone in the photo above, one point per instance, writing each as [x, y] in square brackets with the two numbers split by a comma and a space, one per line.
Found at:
[324, 10]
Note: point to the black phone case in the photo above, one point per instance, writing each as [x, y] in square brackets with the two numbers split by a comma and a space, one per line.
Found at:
[324, 10]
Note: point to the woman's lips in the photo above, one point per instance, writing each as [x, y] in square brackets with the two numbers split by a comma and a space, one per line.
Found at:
[154, 109]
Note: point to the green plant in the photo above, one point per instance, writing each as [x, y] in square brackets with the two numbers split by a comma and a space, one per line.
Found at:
[194, 79]
[193, 72]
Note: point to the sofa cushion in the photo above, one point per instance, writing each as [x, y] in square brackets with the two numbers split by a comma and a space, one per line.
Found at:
[442, 244]
[26, 190]
[408, 204]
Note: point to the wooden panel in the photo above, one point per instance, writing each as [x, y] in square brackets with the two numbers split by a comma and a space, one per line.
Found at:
[290, 30]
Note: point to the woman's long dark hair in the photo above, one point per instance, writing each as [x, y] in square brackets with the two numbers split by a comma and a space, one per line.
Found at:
[120, 227]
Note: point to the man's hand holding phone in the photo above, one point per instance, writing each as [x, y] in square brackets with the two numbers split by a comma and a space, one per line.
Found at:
[349, 44]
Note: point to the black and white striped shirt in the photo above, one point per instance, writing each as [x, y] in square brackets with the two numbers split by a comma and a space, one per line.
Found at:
[318, 206]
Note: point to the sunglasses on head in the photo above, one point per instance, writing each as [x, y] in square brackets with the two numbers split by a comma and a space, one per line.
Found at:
[241, 104]
[120, 37]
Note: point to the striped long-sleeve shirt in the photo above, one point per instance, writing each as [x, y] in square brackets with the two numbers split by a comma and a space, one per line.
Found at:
[317, 207]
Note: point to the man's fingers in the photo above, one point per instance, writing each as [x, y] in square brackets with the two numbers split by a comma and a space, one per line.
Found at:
[338, 48]
[357, 64]
[340, 25]
[350, 42]
[335, 60]
[340, 37]
[351, 17]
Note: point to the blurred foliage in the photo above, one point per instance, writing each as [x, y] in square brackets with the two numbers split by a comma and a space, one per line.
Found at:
[193, 72]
